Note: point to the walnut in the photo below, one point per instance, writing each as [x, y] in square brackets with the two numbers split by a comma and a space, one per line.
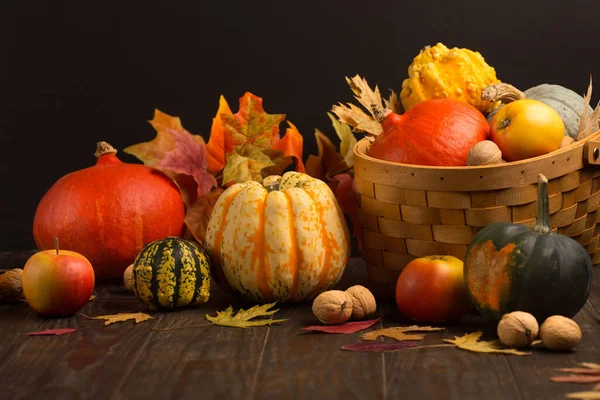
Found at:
[10, 286]
[332, 307]
[363, 302]
[485, 152]
[517, 329]
[560, 333]
[128, 278]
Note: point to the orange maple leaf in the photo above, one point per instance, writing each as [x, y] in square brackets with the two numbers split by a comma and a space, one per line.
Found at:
[219, 143]
[291, 145]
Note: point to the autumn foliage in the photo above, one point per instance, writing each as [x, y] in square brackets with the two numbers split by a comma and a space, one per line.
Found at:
[244, 146]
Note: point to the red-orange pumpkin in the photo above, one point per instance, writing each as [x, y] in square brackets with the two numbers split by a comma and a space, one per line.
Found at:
[108, 212]
[436, 132]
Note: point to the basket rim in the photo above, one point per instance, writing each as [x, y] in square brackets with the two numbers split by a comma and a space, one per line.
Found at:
[472, 178]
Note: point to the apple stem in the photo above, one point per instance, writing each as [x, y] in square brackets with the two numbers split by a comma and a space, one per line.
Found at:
[56, 244]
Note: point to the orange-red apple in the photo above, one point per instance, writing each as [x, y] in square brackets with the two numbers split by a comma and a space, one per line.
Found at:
[57, 282]
[432, 289]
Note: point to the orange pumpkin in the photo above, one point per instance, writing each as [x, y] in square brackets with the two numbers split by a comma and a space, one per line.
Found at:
[285, 239]
[436, 132]
[107, 212]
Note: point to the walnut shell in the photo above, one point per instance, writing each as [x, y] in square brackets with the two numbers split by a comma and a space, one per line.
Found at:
[363, 301]
[560, 333]
[10, 285]
[485, 152]
[128, 278]
[517, 329]
[332, 307]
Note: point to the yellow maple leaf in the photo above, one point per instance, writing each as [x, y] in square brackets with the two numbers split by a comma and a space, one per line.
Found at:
[471, 342]
[347, 139]
[243, 317]
[246, 163]
[121, 317]
[399, 332]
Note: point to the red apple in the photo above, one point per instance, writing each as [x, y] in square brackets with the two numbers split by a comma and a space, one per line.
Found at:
[57, 282]
[432, 289]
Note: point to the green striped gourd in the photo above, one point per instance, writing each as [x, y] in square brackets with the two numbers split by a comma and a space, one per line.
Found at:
[170, 273]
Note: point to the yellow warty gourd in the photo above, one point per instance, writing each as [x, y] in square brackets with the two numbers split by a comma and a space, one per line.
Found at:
[440, 72]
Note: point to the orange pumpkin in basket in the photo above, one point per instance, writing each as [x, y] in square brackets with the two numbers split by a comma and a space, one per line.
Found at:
[436, 132]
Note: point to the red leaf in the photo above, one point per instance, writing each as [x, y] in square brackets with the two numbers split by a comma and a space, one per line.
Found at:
[53, 332]
[349, 327]
[291, 145]
[348, 200]
[188, 158]
[379, 347]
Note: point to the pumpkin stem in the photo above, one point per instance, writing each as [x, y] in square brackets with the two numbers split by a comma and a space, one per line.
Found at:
[502, 92]
[103, 148]
[272, 186]
[56, 244]
[543, 219]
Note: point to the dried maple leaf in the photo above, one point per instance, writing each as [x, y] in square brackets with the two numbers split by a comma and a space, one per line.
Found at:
[242, 319]
[400, 333]
[219, 144]
[251, 124]
[291, 144]
[121, 317]
[245, 163]
[393, 102]
[583, 395]
[369, 99]
[198, 214]
[54, 332]
[380, 347]
[588, 124]
[347, 328]
[472, 343]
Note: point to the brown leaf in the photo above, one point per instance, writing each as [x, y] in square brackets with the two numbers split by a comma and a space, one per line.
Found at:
[379, 347]
[471, 342]
[327, 162]
[121, 317]
[393, 103]
[198, 214]
[348, 327]
[588, 124]
[400, 332]
[348, 201]
[54, 332]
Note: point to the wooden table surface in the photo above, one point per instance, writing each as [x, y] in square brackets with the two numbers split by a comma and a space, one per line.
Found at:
[129, 361]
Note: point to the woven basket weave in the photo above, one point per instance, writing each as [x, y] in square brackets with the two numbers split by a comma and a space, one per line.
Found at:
[409, 211]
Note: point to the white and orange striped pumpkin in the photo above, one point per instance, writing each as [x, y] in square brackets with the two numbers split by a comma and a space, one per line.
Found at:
[283, 240]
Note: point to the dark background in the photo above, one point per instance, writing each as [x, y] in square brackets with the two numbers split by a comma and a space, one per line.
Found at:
[76, 72]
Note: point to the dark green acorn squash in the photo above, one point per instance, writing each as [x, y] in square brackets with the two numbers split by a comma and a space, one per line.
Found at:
[170, 273]
[510, 267]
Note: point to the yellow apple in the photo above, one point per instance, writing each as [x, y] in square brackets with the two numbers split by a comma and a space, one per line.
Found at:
[526, 128]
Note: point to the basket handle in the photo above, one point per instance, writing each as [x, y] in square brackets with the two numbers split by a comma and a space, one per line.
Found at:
[591, 152]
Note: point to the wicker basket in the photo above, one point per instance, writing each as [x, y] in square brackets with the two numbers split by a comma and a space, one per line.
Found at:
[409, 211]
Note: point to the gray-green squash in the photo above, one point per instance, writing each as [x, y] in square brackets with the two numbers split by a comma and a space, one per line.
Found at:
[566, 102]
